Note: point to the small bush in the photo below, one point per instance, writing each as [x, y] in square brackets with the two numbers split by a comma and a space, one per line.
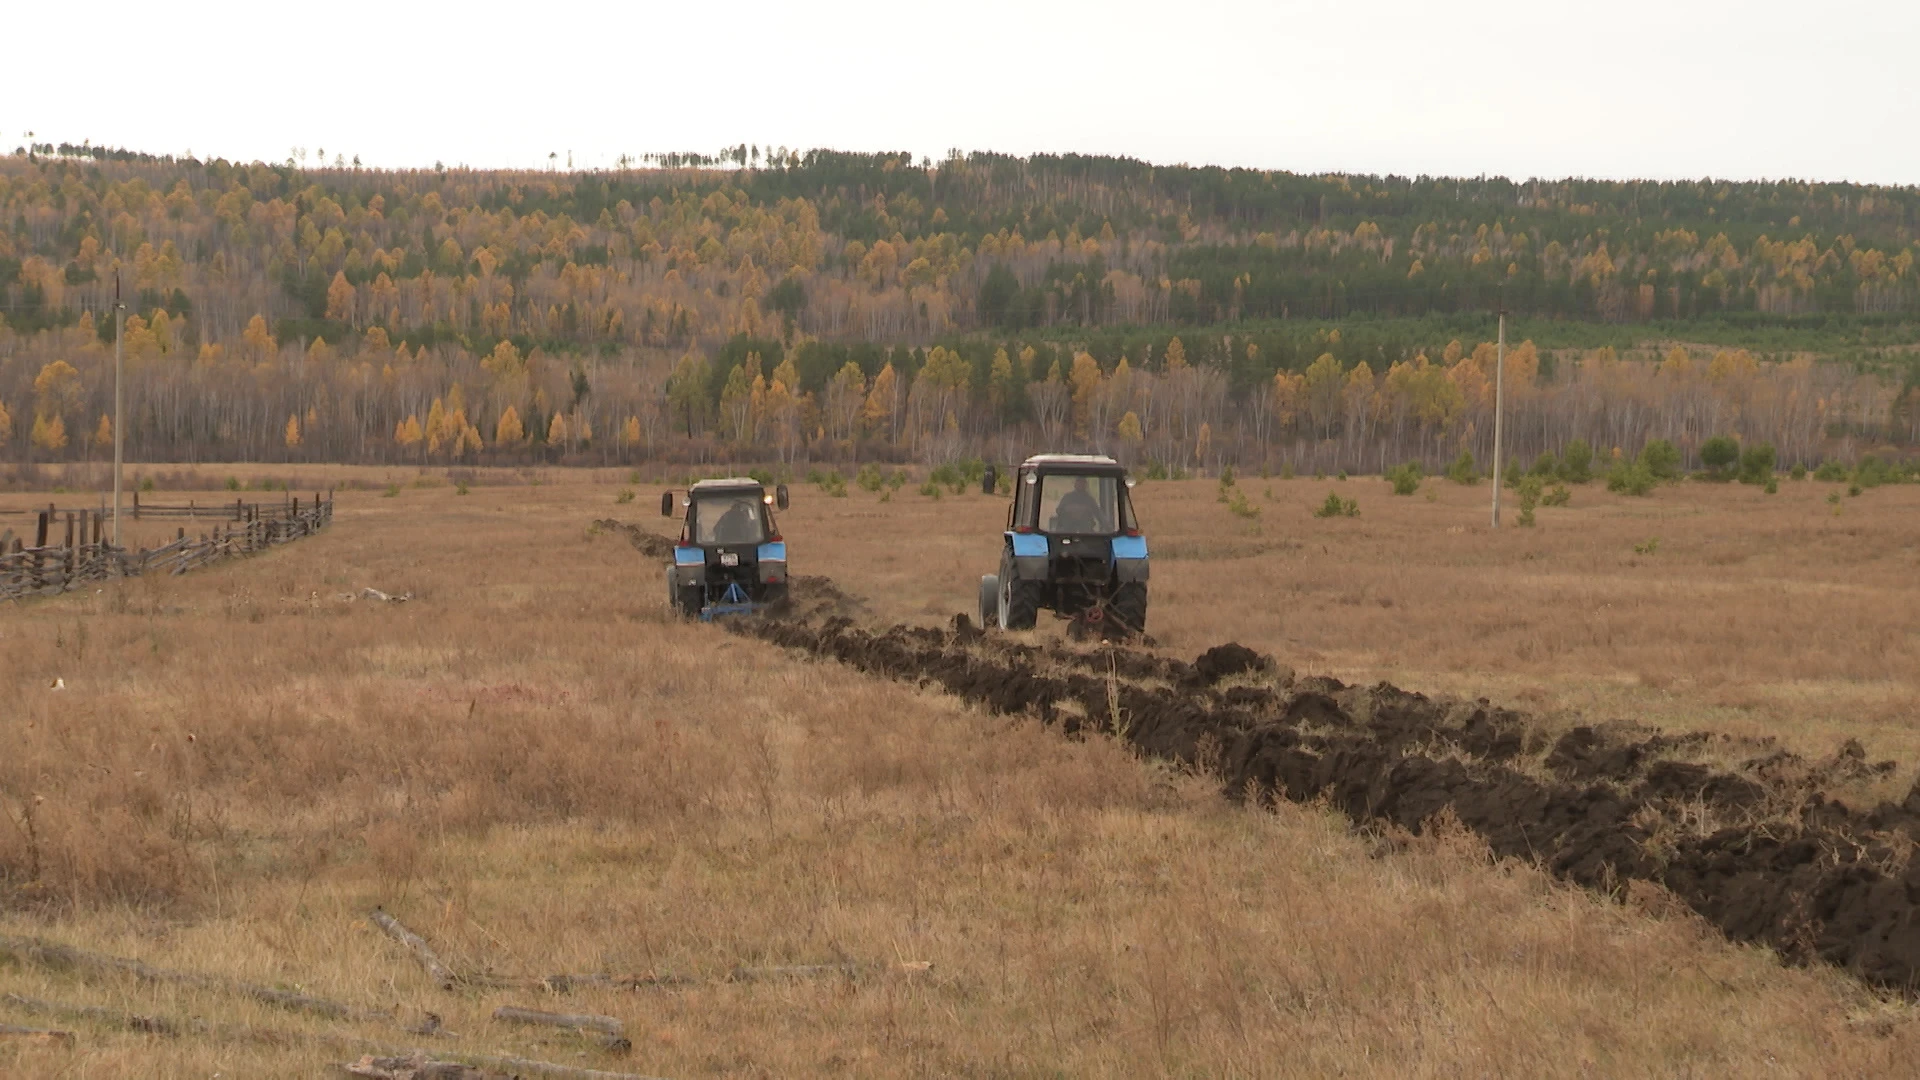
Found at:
[1561, 495]
[1756, 464]
[1830, 472]
[1156, 470]
[1343, 474]
[762, 475]
[815, 476]
[930, 490]
[1226, 476]
[1773, 485]
[1529, 490]
[1286, 471]
[1576, 462]
[621, 499]
[1545, 466]
[1634, 479]
[1463, 470]
[1799, 471]
[146, 484]
[946, 475]
[1648, 546]
[1719, 454]
[1872, 472]
[1853, 491]
[898, 480]
[1335, 506]
[834, 485]
[1241, 507]
[233, 484]
[633, 477]
[393, 490]
[1405, 478]
[870, 477]
[1512, 474]
[1660, 459]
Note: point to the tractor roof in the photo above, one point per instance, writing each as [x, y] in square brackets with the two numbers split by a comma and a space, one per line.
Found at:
[729, 484]
[1100, 461]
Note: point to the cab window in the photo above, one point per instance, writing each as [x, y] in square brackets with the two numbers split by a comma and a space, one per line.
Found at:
[1079, 504]
[728, 519]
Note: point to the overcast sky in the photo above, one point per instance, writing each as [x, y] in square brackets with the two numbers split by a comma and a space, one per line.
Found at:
[1632, 88]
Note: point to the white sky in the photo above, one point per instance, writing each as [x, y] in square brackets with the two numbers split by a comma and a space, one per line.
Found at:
[1661, 89]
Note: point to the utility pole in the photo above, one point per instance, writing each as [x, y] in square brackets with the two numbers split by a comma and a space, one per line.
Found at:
[1499, 407]
[119, 426]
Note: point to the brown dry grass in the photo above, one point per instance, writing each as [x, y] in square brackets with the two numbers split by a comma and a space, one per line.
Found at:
[536, 770]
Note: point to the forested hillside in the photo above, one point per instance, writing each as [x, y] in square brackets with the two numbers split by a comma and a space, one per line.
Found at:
[832, 305]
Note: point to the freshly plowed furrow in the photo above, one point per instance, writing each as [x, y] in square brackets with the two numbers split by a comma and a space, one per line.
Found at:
[1795, 871]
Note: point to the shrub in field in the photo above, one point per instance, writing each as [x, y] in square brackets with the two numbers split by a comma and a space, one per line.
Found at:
[869, 477]
[1546, 465]
[1156, 470]
[393, 490]
[1513, 474]
[1756, 464]
[621, 499]
[1660, 459]
[898, 480]
[1343, 474]
[1335, 506]
[1286, 471]
[1529, 491]
[1799, 471]
[233, 484]
[834, 485]
[1576, 462]
[1648, 547]
[1872, 472]
[1240, 507]
[1719, 454]
[462, 490]
[930, 489]
[1830, 472]
[1773, 485]
[1405, 478]
[1463, 470]
[1561, 495]
[763, 475]
[1634, 479]
[945, 475]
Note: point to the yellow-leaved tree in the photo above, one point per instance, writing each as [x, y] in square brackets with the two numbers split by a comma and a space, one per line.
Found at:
[508, 431]
[630, 434]
[293, 430]
[103, 432]
[6, 425]
[49, 432]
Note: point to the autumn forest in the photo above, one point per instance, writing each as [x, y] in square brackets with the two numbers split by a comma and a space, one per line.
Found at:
[770, 304]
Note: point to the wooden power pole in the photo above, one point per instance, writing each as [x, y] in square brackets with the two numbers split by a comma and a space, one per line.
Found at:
[1499, 409]
[119, 422]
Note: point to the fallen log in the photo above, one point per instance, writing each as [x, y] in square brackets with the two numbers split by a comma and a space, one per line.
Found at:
[46, 1035]
[56, 957]
[513, 1014]
[281, 1038]
[441, 973]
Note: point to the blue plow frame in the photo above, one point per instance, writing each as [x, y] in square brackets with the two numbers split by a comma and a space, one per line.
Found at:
[732, 602]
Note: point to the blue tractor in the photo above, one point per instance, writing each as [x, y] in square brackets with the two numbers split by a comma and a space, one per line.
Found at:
[1072, 546]
[730, 558]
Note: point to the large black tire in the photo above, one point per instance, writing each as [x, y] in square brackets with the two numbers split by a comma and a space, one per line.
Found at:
[989, 601]
[1023, 605]
[1128, 608]
[689, 599]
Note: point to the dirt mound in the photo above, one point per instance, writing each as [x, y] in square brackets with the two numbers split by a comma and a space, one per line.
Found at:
[1752, 849]
[648, 543]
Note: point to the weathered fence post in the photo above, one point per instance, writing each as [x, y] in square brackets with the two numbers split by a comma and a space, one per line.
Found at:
[40, 534]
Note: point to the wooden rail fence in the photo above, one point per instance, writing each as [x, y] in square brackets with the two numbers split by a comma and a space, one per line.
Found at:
[48, 568]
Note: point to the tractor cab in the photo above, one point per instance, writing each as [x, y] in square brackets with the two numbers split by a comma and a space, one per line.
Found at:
[730, 558]
[1072, 544]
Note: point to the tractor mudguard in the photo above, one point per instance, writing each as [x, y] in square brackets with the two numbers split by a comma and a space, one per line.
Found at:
[1130, 558]
[689, 565]
[1029, 556]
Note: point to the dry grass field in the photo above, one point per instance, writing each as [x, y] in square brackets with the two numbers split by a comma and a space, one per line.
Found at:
[537, 770]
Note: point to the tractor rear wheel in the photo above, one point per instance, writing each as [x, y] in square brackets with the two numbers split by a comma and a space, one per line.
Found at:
[989, 601]
[1128, 607]
[689, 599]
[1019, 604]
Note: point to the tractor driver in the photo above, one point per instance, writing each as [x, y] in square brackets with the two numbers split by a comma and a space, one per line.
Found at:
[737, 525]
[1077, 511]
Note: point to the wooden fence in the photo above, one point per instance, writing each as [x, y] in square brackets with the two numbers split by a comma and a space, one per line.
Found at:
[48, 568]
[192, 509]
